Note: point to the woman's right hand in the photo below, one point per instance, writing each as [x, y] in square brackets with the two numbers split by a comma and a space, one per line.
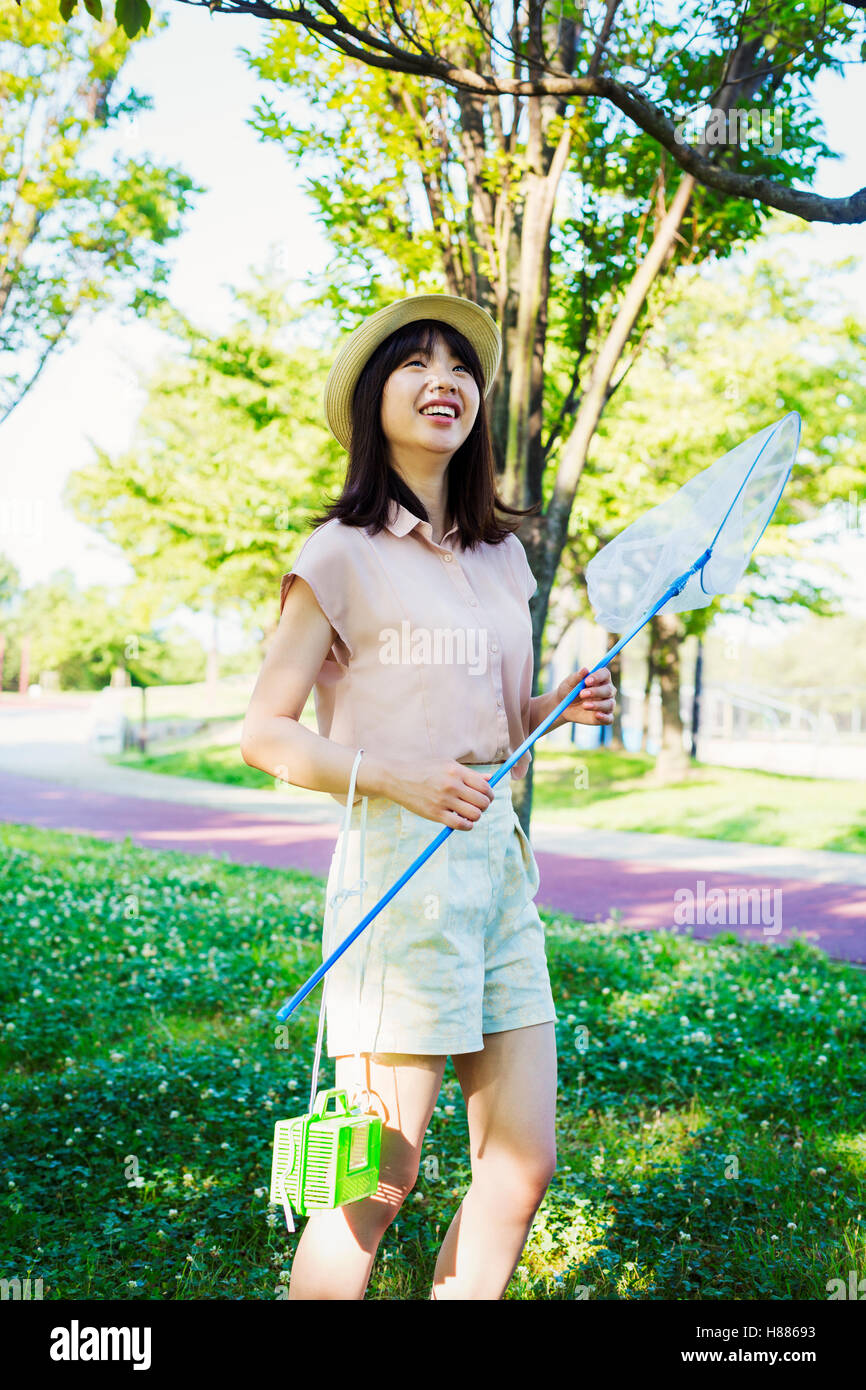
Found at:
[444, 791]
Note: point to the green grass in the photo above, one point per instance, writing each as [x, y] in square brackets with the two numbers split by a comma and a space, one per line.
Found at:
[614, 791]
[710, 1117]
[606, 790]
[214, 763]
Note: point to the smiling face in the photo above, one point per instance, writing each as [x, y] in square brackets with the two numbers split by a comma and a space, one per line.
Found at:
[429, 403]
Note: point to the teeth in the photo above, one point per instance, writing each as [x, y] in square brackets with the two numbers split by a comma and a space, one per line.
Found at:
[440, 410]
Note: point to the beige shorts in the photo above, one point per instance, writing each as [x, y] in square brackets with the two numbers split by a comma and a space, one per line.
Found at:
[456, 953]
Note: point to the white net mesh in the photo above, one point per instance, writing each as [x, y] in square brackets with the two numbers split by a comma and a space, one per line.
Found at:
[629, 575]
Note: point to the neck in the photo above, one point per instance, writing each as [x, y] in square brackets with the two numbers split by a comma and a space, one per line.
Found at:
[432, 491]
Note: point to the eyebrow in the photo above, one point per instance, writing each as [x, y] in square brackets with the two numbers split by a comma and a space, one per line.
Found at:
[413, 352]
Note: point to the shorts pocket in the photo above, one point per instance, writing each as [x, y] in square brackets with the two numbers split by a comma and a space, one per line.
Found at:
[532, 871]
[384, 838]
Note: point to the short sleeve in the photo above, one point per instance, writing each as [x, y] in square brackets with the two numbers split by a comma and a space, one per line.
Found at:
[527, 578]
[323, 561]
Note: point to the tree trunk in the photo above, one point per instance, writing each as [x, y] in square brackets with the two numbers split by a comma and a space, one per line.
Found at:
[614, 736]
[666, 635]
[696, 700]
[647, 696]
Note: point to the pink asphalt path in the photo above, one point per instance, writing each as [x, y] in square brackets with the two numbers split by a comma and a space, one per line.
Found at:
[831, 915]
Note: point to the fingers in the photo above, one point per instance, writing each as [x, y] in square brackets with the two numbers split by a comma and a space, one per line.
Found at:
[471, 803]
[472, 798]
[598, 696]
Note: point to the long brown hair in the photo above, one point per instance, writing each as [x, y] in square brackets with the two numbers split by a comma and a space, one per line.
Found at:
[371, 482]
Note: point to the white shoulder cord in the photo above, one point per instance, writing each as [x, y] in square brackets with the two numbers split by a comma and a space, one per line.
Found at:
[336, 902]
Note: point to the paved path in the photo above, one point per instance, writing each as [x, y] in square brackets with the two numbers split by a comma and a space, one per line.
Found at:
[759, 892]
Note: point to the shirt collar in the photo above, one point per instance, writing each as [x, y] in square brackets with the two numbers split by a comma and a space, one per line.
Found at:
[401, 521]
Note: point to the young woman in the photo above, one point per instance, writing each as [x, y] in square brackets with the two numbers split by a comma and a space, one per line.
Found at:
[411, 620]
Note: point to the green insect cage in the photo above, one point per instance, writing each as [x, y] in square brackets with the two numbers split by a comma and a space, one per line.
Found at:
[324, 1160]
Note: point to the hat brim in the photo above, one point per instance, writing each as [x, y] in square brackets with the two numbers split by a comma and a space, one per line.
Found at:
[463, 314]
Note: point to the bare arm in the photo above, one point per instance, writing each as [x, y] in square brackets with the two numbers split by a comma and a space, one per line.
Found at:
[273, 737]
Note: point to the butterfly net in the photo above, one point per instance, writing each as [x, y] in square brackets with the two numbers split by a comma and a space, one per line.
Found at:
[726, 507]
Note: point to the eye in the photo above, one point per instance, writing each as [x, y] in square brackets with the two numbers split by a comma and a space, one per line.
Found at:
[412, 362]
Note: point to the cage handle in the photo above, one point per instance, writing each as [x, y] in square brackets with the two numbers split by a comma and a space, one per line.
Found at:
[335, 1093]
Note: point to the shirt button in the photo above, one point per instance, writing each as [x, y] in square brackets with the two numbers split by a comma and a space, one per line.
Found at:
[499, 704]
[446, 558]
[473, 603]
[493, 647]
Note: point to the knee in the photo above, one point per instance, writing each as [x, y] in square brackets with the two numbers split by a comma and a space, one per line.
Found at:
[521, 1182]
[391, 1193]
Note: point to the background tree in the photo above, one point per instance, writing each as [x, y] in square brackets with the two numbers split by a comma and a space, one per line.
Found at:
[83, 634]
[454, 183]
[229, 462]
[763, 329]
[71, 236]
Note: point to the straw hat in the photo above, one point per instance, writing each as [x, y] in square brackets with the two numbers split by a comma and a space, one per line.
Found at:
[467, 317]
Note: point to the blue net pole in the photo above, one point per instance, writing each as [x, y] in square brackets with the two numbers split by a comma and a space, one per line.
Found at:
[675, 588]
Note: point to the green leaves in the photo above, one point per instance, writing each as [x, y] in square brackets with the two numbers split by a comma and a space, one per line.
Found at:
[133, 16]
[229, 461]
[74, 236]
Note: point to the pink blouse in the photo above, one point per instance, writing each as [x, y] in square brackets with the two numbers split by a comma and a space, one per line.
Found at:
[433, 653]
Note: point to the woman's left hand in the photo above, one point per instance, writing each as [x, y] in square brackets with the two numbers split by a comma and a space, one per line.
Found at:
[594, 704]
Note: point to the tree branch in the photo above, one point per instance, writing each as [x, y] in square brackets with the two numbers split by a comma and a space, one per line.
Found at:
[371, 48]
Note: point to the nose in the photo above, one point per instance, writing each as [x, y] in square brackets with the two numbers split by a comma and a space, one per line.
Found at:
[445, 376]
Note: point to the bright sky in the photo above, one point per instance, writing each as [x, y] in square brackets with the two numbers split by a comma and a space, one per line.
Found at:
[255, 210]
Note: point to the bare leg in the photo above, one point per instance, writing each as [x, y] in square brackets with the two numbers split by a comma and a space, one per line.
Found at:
[337, 1248]
[510, 1094]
